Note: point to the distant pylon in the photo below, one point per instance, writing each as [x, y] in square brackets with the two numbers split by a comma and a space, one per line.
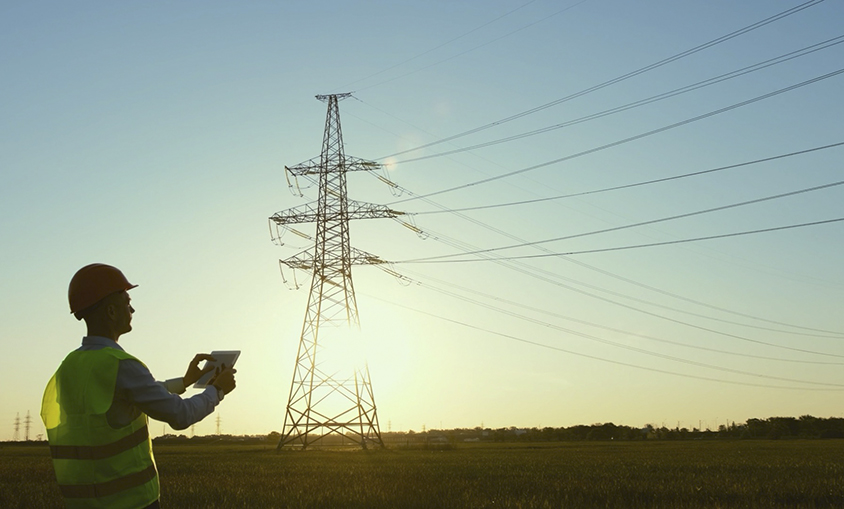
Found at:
[329, 400]
[218, 425]
[17, 427]
[27, 422]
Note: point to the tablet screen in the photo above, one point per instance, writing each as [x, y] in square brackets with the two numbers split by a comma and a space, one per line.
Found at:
[227, 357]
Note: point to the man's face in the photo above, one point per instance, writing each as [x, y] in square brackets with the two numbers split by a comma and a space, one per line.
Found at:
[122, 314]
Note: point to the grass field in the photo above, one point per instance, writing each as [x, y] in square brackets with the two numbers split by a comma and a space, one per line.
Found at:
[777, 473]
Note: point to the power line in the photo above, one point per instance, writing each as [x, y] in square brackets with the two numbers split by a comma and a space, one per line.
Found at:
[593, 324]
[395, 188]
[659, 97]
[532, 272]
[704, 304]
[623, 77]
[636, 246]
[641, 223]
[538, 274]
[445, 209]
[625, 140]
[595, 357]
[636, 184]
[549, 325]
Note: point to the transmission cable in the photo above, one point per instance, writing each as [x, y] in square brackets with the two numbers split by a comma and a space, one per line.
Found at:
[458, 212]
[531, 272]
[642, 102]
[641, 223]
[710, 306]
[537, 273]
[827, 334]
[594, 357]
[613, 81]
[636, 246]
[592, 324]
[616, 344]
[625, 140]
[628, 186]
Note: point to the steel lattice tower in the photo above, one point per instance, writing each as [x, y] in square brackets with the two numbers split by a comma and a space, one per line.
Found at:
[26, 423]
[324, 401]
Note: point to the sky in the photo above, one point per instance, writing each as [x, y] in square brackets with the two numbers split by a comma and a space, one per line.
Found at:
[153, 136]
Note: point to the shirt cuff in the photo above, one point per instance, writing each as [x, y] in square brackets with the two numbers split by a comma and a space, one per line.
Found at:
[217, 392]
[175, 385]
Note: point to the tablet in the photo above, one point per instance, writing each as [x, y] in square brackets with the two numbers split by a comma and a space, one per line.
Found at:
[227, 357]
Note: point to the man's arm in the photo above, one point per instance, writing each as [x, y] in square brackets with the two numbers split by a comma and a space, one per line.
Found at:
[174, 385]
[136, 384]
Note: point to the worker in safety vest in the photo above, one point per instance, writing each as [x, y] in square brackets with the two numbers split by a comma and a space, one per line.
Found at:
[95, 407]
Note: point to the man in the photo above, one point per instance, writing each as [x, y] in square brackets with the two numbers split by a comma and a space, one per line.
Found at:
[95, 407]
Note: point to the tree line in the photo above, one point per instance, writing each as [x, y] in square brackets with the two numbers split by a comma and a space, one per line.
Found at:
[806, 426]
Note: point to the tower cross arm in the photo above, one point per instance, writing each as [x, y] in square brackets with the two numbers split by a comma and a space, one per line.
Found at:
[314, 166]
[339, 97]
[364, 210]
[304, 260]
[360, 257]
[357, 164]
[309, 213]
[303, 214]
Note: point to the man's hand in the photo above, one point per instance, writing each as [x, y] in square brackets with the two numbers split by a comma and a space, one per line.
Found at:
[224, 379]
[194, 373]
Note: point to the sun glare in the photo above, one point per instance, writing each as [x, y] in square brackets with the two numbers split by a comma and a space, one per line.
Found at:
[391, 163]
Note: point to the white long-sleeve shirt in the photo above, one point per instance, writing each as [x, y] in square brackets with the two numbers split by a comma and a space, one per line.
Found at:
[137, 391]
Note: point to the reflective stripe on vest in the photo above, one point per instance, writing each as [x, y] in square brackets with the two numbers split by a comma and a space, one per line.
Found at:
[98, 452]
[96, 465]
[105, 489]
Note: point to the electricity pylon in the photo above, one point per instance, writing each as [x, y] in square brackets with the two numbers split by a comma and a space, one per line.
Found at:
[330, 400]
[27, 423]
[17, 427]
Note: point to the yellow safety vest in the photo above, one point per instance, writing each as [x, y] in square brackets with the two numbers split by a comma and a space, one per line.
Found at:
[96, 465]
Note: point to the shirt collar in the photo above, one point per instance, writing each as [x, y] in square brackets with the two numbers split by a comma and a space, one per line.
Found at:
[100, 341]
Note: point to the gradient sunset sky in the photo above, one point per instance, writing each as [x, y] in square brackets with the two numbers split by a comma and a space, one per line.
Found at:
[153, 136]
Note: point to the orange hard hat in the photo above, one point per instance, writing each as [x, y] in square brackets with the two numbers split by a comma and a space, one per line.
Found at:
[94, 282]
